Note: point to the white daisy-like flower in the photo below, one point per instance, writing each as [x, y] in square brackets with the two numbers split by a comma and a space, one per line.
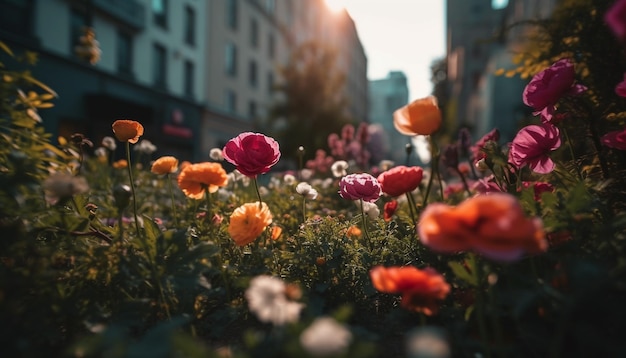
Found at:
[101, 152]
[340, 168]
[267, 299]
[109, 143]
[306, 190]
[216, 154]
[145, 146]
[306, 174]
[325, 337]
[289, 179]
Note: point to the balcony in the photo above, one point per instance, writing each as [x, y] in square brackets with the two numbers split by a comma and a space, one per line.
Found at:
[130, 12]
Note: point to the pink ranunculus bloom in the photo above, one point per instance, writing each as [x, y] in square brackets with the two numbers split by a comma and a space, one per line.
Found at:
[252, 153]
[360, 186]
[532, 146]
[620, 88]
[615, 17]
[548, 86]
[476, 149]
[615, 139]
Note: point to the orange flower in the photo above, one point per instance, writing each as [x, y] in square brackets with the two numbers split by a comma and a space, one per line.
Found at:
[165, 165]
[494, 225]
[127, 130]
[354, 232]
[184, 164]
[248, 221]
[276, 232]
[420, 117]
[194, 179]
[421, 289]
[120, 164]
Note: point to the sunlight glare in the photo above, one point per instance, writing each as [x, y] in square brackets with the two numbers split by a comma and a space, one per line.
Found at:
[336, 5]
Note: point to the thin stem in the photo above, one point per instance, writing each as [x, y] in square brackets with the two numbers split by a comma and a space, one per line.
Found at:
[169, 182]
[303, 209]
[207, 197]
[571, 152]
[411, 201]
[595, 137]
[132, 187]
[465, 185]
[367, 235]
[258, 193]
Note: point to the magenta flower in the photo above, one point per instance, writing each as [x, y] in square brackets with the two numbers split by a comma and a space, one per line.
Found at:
[615, 17]
[476, 149]
[538, 188]
[360, 186]
[252, 153]
[548, 86]
[615, 139]
[532, 146]
[620, 89]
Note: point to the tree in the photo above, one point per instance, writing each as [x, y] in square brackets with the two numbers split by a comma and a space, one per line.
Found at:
[312, 103]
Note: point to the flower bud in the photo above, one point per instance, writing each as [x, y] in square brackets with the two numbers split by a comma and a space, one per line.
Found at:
[122, 194]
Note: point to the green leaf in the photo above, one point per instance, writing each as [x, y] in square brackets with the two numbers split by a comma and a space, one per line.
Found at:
[462, 273]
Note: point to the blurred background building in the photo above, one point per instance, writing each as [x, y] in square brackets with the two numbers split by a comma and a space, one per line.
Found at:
[194, 73]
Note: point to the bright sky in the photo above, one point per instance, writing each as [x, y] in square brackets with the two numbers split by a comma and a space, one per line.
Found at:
[404, 35]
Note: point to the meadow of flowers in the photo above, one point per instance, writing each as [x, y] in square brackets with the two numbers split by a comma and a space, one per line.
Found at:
[492, 249]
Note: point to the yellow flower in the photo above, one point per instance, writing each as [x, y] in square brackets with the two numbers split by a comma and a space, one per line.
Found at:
[120, 164]
[248, 221]
[127, 130]
[420, 117]
[165, 165]
[194, 179]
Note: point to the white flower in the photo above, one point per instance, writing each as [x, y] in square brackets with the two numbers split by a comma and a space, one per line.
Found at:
[289, 179]
[340, 168]
[306, 190]
[370, 209]
[306, 174]
[268, 301]
[263, 191]
[216, 154]
[101, 152]
[325, 337]
[145, 146]
[274, 183]
[109, 143]
[62, 186]
[427, 342]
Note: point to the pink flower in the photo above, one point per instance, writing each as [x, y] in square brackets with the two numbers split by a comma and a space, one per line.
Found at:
[549, 85]
[532, 146]
[476, 149]
[615, 17]
[252, 153]
[615, 139]
[620, 89]
[538, 188]
[360, 186]
[486, 185]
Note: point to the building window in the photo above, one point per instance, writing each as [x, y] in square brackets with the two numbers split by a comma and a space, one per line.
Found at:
[271, 46]
[254, 33]
[252, 111]
[159, 69]
[78, 23]
[252, 74]
[231, 101]
[232, 15]
[124, 53]
[189, 78]
[159, 12]
[231, 59]
[190, 26]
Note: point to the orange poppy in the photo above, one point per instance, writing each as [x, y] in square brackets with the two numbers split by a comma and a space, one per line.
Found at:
[420, 117]
[194, 179]
[248, 221]
[493, 225]
[276, 232]
[165, 165]
[354, 232]
[421, 289]
[120, 164]
[127, 130]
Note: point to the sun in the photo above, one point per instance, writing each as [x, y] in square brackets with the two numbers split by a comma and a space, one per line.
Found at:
[336, 5]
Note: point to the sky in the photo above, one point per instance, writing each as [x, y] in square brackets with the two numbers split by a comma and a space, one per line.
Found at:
[402, 35]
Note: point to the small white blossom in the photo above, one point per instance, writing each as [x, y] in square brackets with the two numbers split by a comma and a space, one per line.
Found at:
[370, 209]
[101, 152]
[306, 190]
[268, 301]
[274, 183]
[109, 143]
[427, 342]
[289, 179]
[145, 146]
[62, 186]
[216, 154]
[340, 168]
[263, 191]
[325, 337]
[306, 174]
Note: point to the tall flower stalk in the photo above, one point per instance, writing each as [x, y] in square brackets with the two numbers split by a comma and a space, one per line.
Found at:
[132, 188]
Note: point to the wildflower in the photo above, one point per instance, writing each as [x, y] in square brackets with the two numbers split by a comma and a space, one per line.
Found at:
[339, 168]
[289, 179]
[120, 164]
[548, 86]
[109, 143]
[477, 148]
[401, 179]
[248, 221]
[615, 18]
[101, 153]
[267, 299]
[325, 337]
[61, 186]
[165, 165]
[421, 290]
[532, 146]
[306, 190]
[276, 232]
[620, 89]
[494, 225]
[360, 186]
[194, 179]
[216, 154]
[615, 139]
[420, 117]
[252, 153]
[354, 232]
[306, 174]
[145, 147]
[389, 209]
[127, 130]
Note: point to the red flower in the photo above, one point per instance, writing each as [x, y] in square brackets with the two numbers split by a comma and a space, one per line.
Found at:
[389, 209]
[421, 289]
[399, 180]
[252, 153]
[615, 139]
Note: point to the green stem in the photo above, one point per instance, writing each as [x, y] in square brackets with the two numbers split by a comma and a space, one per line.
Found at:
[411, 201]
[303, 209]
[207, 197]
[571, 152]
[132, 187]
[465, 185]
[367, 235]
[258, 193]
[169, 182]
